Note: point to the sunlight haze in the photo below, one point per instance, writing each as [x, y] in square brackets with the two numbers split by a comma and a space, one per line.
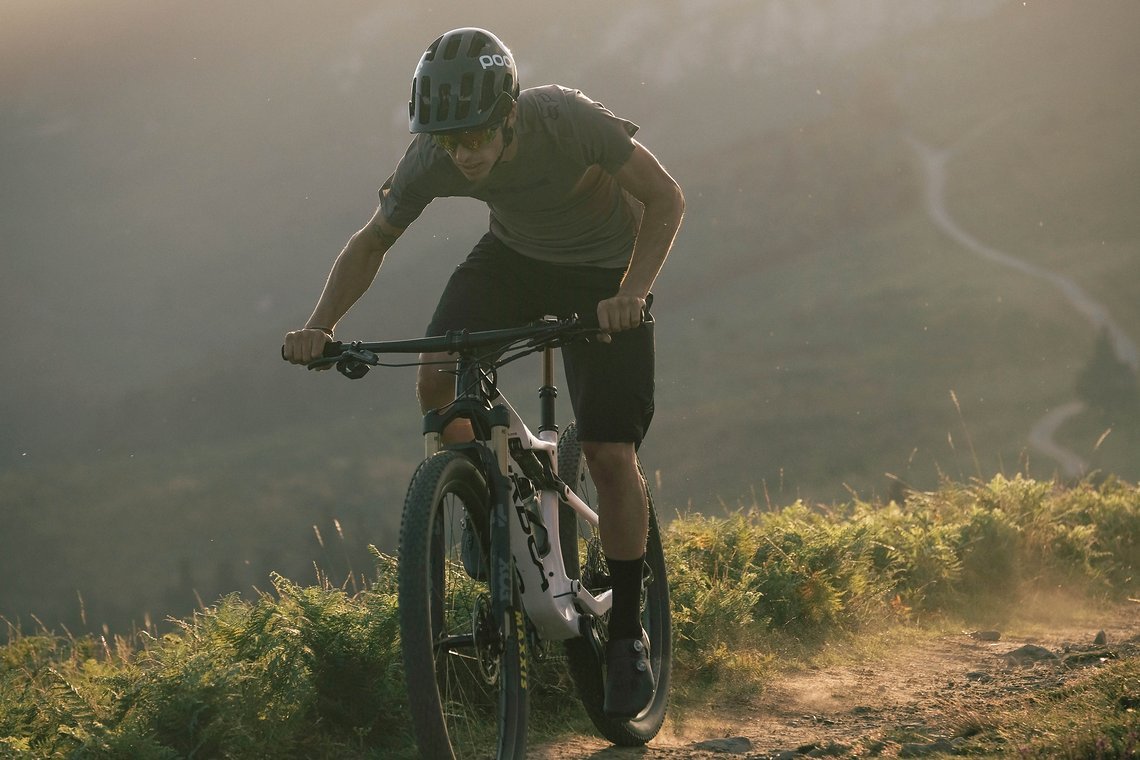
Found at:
[177, 178]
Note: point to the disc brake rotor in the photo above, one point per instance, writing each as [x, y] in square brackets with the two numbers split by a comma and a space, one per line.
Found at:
[488, 645]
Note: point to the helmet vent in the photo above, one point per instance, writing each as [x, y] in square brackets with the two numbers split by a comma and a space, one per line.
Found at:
[425, 100]
[452, 49]
[466, 88]
[478, 43]
[444, 101]
[487, 94]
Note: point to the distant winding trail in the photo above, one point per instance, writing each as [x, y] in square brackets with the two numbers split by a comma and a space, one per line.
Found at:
[1041, 437]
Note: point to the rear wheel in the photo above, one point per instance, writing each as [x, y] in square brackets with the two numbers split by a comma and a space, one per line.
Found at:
[464, 665]
[582, 552]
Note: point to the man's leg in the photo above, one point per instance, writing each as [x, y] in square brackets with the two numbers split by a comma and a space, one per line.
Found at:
[623, 511]
[488, 290]
[622, 504]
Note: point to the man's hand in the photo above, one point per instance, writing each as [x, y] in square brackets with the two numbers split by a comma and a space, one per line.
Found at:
[620, 313]
[304, 345]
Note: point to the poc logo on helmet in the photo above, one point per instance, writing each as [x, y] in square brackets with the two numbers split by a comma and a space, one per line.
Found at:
[487, 61]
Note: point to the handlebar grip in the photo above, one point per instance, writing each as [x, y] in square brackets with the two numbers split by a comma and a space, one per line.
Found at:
[590, 321]
[332, 350]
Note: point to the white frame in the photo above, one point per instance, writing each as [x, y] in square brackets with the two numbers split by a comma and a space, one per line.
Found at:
[556, 611]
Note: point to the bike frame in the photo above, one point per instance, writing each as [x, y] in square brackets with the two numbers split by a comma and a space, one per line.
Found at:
[554, 602]
[518, 526]
[559, 607]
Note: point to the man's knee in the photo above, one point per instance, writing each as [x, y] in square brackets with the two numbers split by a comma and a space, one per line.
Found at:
[610, 462]
[435, 387]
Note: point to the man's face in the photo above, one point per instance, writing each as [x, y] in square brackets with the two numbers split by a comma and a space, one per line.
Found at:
[474, 152]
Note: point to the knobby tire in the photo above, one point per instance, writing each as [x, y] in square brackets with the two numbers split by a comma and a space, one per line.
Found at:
[581, 549]
[464, 666]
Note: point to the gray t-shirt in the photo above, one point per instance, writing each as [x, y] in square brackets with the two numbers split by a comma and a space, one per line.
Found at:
[556, 200]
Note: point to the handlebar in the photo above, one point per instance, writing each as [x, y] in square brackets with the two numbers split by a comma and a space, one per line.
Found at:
[537, 334]
[354, 359]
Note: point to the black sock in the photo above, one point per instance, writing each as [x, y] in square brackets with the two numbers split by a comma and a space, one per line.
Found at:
[625, 615]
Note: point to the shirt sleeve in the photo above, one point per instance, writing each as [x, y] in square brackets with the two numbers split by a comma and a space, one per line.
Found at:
[404, 195]
[600, 137]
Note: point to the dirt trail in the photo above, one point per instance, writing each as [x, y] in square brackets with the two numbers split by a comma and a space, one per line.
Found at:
[929, 688]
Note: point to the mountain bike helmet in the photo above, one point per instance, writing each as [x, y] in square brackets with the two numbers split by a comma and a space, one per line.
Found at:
[465, 80]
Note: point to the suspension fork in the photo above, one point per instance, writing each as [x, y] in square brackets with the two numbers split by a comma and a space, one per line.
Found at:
[495, 461]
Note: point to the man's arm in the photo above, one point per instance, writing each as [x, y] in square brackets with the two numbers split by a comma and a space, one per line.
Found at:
[352, 274]
[643, 177]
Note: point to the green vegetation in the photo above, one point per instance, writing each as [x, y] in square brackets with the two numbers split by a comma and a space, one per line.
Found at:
[315, 671]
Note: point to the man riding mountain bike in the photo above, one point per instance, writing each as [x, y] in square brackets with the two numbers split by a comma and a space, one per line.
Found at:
[582, 218]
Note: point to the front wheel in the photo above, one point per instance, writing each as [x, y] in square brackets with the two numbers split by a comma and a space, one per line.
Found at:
[584, 559]
[464, 665]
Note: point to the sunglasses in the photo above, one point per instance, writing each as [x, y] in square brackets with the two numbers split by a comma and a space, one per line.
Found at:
[472, 140]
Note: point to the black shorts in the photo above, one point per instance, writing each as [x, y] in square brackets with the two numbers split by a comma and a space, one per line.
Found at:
[610, 384]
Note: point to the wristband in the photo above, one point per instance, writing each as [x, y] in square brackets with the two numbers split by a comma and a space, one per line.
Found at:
[326, 330]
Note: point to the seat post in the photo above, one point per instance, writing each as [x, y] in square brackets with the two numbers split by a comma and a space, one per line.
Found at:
[547, 394]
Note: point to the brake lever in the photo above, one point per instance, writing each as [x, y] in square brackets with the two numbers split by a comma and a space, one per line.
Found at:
[354, 362]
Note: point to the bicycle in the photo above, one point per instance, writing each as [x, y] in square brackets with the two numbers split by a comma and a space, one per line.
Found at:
[499, 553]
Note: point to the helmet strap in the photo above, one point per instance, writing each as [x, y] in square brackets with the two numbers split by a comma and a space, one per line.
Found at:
[508, 138]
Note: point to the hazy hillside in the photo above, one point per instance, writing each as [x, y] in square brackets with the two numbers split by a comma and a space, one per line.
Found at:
[176, 181]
